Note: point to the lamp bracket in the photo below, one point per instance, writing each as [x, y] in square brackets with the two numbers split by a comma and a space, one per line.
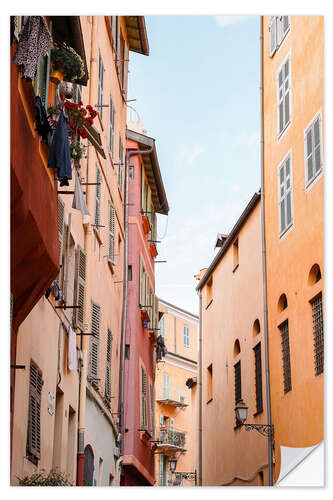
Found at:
[264, 429]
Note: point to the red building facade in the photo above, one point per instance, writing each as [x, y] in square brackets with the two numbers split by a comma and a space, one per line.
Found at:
[146, 198]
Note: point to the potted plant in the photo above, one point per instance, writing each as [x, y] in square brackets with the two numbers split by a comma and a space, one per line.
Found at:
[66, 64]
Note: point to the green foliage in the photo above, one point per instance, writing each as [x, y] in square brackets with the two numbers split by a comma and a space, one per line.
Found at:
[64, 58]
[43, 478]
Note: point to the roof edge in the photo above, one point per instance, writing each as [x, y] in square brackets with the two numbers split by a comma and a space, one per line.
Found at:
[240, 222]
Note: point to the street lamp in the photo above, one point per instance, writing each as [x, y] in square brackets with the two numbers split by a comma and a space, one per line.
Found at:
[172, 464]
[190, 476]
[241, 415]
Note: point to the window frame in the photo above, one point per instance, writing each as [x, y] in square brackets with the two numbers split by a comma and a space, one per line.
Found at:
[286, 126]
[258, 377]
[284, 36]
[282, 232]
[100, 85]
[312, 181]
[317, 354]
[286, 370]
[186, 336]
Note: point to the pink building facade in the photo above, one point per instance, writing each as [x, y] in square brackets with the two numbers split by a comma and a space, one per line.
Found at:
[146, 198]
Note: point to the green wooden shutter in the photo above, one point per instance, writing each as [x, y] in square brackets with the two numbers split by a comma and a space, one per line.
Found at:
[34, 427]
[94, 342]
[112, 229]
[79, 289]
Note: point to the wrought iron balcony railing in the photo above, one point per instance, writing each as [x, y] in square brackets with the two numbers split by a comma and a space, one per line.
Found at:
[173, 396]
[171, 439]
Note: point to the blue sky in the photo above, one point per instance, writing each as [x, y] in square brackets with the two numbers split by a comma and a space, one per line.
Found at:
[198, 96]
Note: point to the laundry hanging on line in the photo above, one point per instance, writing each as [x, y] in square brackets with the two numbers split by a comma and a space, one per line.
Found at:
[79, 203]
[60, 156]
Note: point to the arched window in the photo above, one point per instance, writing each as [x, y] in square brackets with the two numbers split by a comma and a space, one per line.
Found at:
[256, 327]
[236, 348]
[283, 303]
[88, 466]
[314, 274]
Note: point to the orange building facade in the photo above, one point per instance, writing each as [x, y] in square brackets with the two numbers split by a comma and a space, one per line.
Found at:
[176, 403]
[232, 358]
[293, 156]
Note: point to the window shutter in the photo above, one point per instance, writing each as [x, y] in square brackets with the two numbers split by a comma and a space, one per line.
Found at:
[111, 138]
[80, 286]
[114, 29]
[156, 313]
[120, 161]
[94, 341]
[125, 70]
[143, 182]
[152, 413]
[285, 195]
[162, 326]
[166, 385]
[140, 280]
[286, 92]
[100, 84]
[285, 24]
[143, 398]
[272, 38]
[317, 152]
[108, 366]
[34, 426]
[172, 424]
[258, 376]
[284, 329]
[118, 63]
[112, 225]
[61, 227]
[98, 199]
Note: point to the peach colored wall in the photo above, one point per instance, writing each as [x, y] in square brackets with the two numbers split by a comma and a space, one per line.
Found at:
[234, 302]
[179, 370]
[298, 414]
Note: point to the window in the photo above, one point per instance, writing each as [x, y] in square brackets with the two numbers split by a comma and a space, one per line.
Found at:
[79, 288]
[144, 420]
[238, 386]
[120, 165]
[209, 383]
[111, 129]
[285, 195]
[284, 329]
[112, 229]
[100, 85]
[186, 336]
[166, 385]
[162, 326]
[61, 231]
[151, 404]
[34, 426]
[278, 29]
[98, 199]
[318, 334]
[283, 302]
[94, 343]
[129, 273]
[108, 366]
[162, 470]
[312, 146]
[283, 96]
[235, 251]
[258, 376]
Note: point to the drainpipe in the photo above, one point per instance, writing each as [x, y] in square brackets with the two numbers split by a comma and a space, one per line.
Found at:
[129, 154]
[200, 393]
[263, 244]
[85, 340]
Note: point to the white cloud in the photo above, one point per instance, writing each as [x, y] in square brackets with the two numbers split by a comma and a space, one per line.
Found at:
[189, 154]
[228, 20]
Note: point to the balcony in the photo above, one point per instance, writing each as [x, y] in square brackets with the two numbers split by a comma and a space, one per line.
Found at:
[171, 440]
[172, 396]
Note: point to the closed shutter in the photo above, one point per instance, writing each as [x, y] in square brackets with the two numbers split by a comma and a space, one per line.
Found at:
[272, 35]
[100, 85]
[285, 195]
[258, 377]
[94, 341]
[162, 470]
[34, 424]
[162, 326]
[112, 226]
[172, 424]
[313, 149]
[120, 165]
[114, 29]
[61, 230]
[166, 385]
[143, 182]
[141, 282]
[118, 63]
[79, 289]
[111, 138]
[98, 199]
[283, 83]
[41, 81]
[152, 413]
[125, 70]
[156, 313]
[285, 24]
[143, 399]
[284, 329]
[108, 366]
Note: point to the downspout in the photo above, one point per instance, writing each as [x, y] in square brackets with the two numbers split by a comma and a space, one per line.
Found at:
[200, 393]
[263, 245]
[129, 154]
[85, 340]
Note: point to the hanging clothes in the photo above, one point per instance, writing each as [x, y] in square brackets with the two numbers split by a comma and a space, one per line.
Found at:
[60, 156]
[72, 354]
[35, 40]
[43, 127]
[78, 201]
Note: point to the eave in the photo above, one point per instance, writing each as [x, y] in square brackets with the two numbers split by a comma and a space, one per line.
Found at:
[137, 34]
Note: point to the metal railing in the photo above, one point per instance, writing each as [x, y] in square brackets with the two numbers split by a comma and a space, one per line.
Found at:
[172, 393]
[172, 437]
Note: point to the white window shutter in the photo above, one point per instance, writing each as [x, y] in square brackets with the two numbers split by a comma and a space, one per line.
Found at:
[272, 35]
[112, 229]
[79, 288]
[94, 341]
